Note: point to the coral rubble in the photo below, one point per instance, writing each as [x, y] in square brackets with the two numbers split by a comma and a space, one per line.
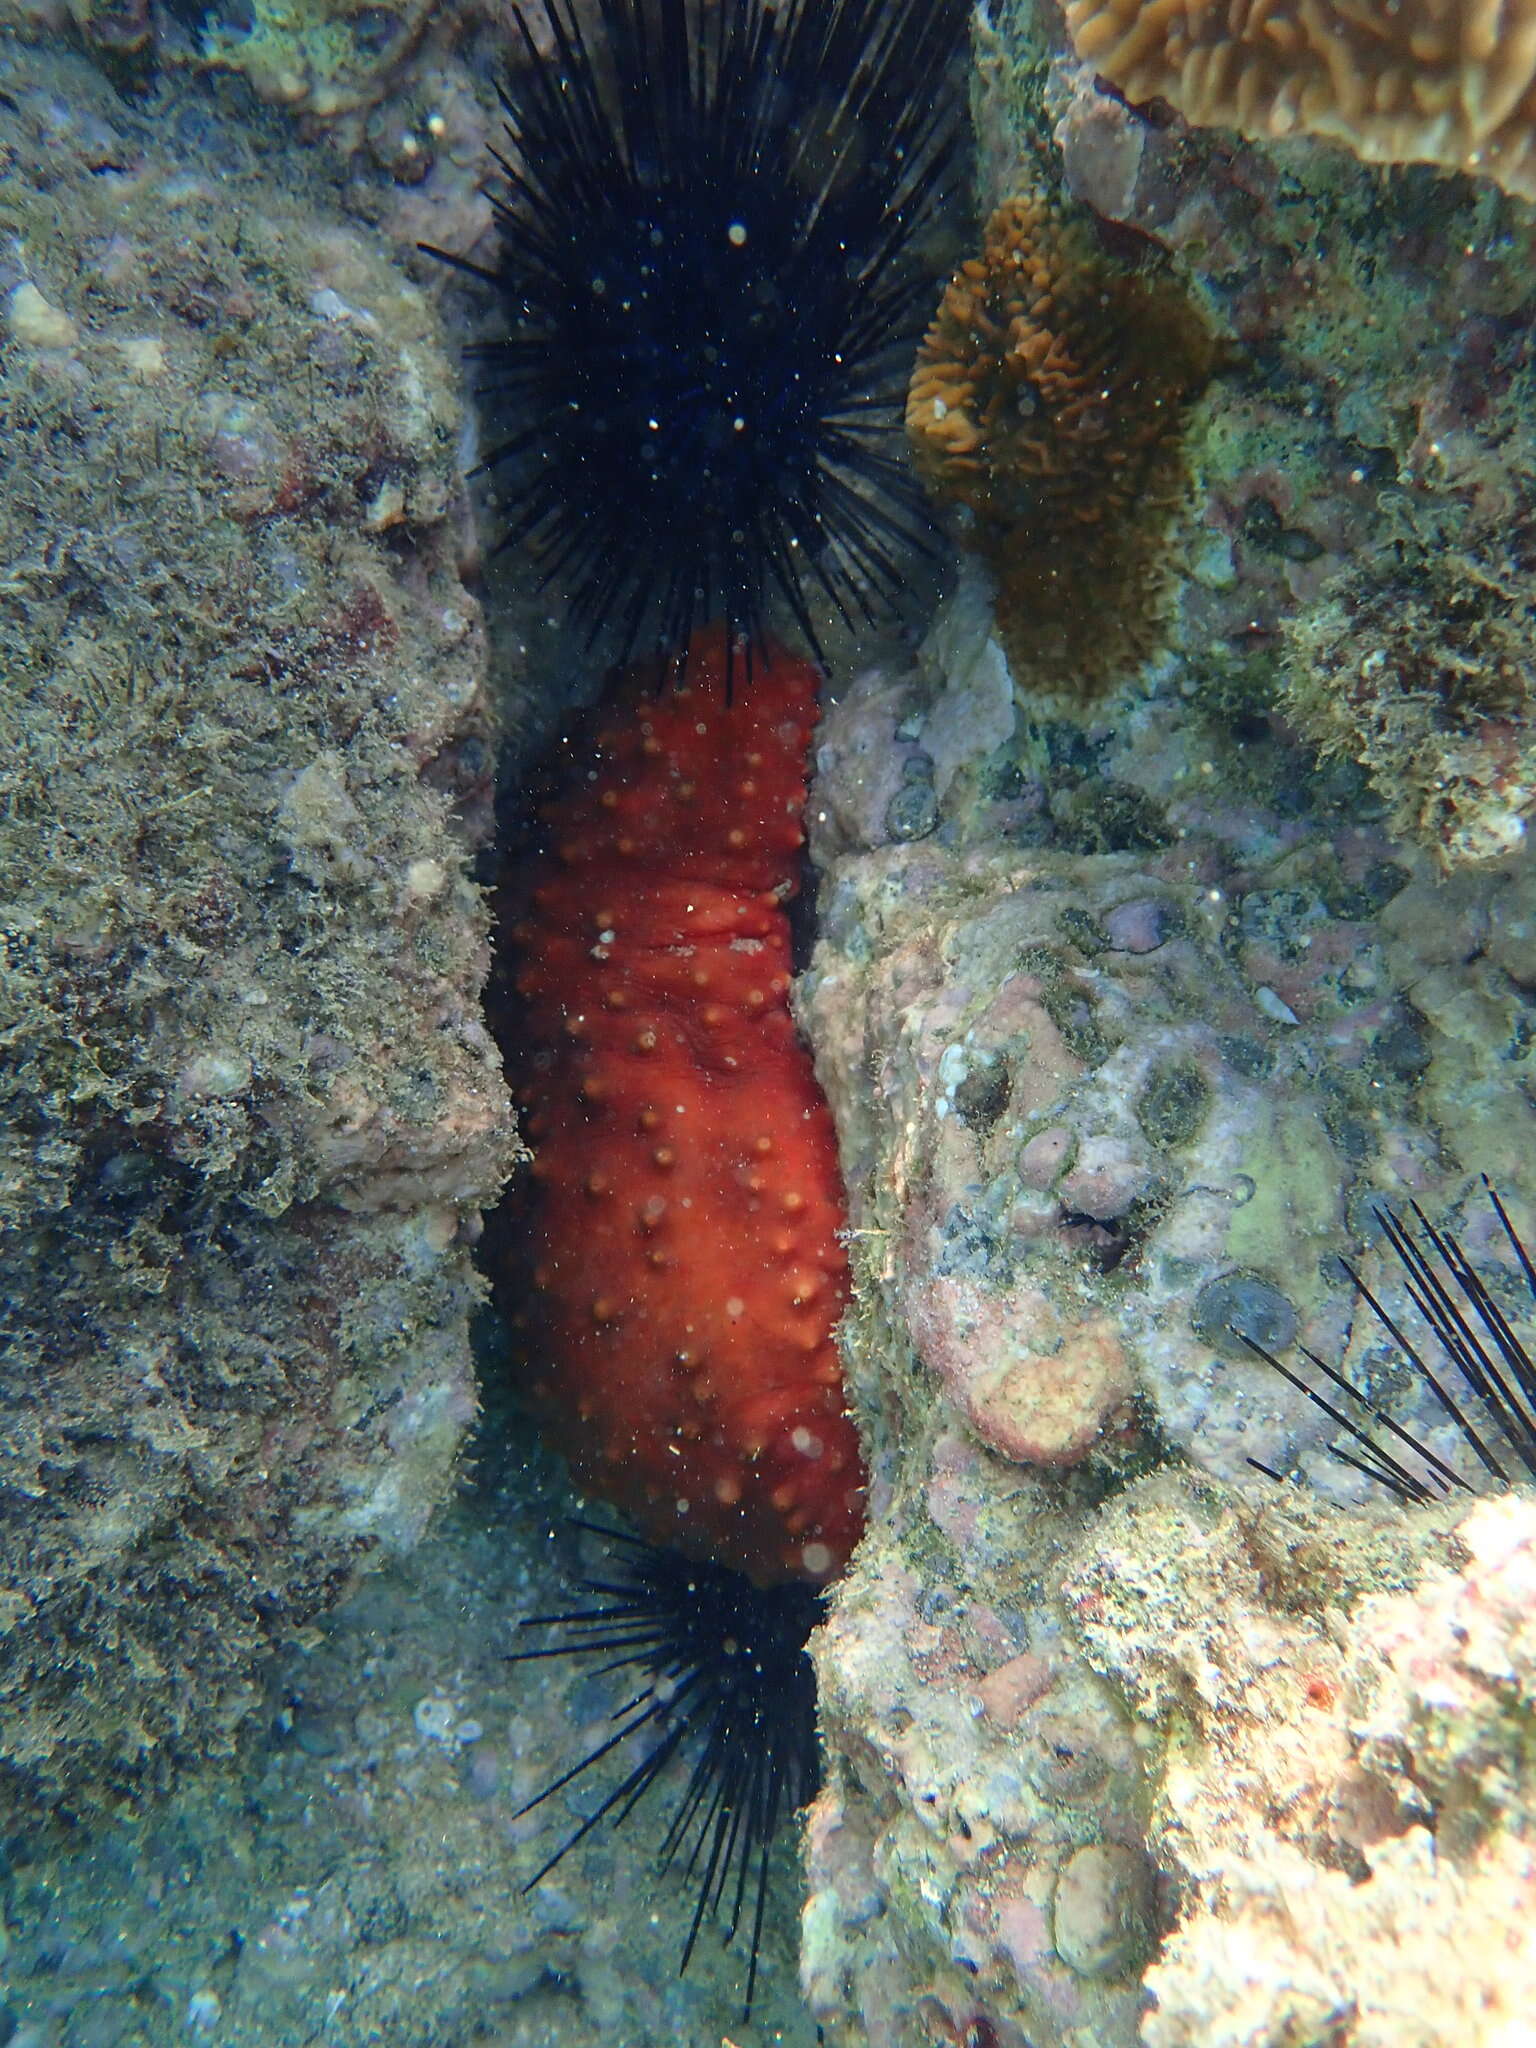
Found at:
[1344, 1799]
[250, 1108]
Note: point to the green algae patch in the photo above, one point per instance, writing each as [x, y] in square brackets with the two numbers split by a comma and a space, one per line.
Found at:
[323, 57]
[1295, 1175]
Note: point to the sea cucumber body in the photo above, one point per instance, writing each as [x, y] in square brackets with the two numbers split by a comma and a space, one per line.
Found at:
[687, 1272]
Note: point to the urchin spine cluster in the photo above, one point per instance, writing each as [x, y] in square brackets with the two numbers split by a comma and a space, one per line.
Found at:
[712, 219]
[725, 1679]
[711, 225]
[1474, 1361]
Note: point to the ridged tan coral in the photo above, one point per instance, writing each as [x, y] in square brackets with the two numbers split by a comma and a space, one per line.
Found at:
[1047, 401]
[1449, 82]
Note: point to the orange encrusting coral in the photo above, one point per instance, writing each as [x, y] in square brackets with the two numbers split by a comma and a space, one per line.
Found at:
[686, 1265]
[1049, 399]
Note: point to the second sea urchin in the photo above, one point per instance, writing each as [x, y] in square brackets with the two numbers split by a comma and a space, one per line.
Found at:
[710, 260]
[723, 1680]
[1467, 1350]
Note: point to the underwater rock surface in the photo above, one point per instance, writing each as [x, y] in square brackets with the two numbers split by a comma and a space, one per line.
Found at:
[1344, 1801]
[1129, 1012]
[1363, 502]
[1129, 1009]
[1097, 1108]
[250, 1110]
[355, 1874]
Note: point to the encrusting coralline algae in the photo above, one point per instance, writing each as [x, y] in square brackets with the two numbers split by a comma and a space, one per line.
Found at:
[1098, 1111]
[1128, 1743]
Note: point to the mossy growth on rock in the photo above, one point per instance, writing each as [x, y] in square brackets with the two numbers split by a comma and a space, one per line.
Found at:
[1418, 664]
[320, 57]
[1099, 815]
[248, 1108]
[1173, 1103]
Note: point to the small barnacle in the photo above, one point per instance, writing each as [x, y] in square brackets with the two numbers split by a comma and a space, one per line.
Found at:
[1173, 1103]
[1048, 402]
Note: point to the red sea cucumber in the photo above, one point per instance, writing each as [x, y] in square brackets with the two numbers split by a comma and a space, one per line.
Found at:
[686, 1265]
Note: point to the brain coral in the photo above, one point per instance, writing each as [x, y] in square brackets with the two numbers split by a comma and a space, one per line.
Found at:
[1449, 82]
[1047, 401]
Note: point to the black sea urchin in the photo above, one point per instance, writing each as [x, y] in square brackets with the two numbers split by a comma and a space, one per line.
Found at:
[725, 1679]
[1470, 1356]
[710, 228]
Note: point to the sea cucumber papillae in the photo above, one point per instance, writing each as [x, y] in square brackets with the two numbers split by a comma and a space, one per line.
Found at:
[686, 1269]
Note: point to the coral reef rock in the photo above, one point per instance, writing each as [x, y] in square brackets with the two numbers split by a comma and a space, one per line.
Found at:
[1350, 551]
[1417, 662]
[1134, 997]
[1131, 1006]
[1345, 1786]
[321, 57]
[250, 1108]
[1108, 1098]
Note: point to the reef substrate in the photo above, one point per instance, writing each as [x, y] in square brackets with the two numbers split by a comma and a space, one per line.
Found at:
[1160, 994]
[251, 1109]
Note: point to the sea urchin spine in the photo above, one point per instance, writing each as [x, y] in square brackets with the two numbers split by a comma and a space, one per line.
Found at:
[710, 257]
[1474, 1362]
[725, 1683]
